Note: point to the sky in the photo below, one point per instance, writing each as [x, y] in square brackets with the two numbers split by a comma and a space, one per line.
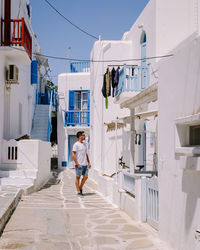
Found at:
[108, 18]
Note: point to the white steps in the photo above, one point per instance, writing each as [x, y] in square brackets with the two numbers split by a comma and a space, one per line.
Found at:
[16, 181]
[19, 178]
[28, 173]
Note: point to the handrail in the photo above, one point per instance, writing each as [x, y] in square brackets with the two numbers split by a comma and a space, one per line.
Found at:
[49, 120]
[15, 32]
[133, 78]
[77, 67]
[77, 117]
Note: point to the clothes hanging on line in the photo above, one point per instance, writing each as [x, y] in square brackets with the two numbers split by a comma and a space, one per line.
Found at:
[113, 80]
[116, 79]
[106, 88]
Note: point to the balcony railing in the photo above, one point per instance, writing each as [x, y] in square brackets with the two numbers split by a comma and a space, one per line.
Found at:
[77, 67]
[15, 32]
[132, 78]
[74, 117]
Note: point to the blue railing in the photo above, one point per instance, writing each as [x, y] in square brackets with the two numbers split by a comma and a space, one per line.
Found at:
[73, 117]
[49, 121]
[76, 67]
[132, 78]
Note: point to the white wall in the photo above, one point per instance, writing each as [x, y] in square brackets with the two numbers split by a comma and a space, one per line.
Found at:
[176, 20]
[32, 155]
[103, 144]
[179, 176]
[147, 20]
[1, 99]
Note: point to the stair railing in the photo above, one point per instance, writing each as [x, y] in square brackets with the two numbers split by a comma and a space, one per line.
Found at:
[49, 121]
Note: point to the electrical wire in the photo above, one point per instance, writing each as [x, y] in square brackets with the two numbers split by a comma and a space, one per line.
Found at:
[76, 26]
[94, 61]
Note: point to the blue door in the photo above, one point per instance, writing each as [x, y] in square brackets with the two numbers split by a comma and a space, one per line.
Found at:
[71, 140]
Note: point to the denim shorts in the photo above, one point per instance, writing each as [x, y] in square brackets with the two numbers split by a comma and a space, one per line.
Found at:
[81, 170]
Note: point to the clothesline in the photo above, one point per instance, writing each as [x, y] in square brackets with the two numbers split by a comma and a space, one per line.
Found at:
[121, 65]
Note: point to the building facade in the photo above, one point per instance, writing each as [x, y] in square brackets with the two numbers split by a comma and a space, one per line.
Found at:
[134, 125]
[22, 74]
[74, 109]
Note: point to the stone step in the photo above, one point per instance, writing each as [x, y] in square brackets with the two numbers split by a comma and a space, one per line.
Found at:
[28, 173]
[16, 181]
[12, 167]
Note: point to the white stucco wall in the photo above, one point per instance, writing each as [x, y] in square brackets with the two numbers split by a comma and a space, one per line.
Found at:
[176, 20]
[1, 99]
[179, 176]
[146, 22]
[103, 144]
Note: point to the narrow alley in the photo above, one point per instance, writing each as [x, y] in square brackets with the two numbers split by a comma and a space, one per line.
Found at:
[56, 218]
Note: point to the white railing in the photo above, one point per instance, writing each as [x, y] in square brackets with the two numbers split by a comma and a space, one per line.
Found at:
[133, 78]
[150, 205]
[128, 182]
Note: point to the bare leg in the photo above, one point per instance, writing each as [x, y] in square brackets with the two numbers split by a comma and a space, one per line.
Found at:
[83, 182]
[77, 184]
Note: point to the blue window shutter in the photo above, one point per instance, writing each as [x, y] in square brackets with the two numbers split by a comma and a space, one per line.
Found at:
[88, 114]
[71, 99]
[88, 100]
[34, 72]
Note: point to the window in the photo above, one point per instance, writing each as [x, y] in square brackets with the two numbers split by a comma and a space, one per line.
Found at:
[80, 100]
[195, 135]
[28, 7]
[187, 135]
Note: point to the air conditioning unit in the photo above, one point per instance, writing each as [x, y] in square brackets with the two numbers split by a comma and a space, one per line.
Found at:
[12, 74]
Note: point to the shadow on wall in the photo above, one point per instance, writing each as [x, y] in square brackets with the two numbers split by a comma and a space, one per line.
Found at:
[126, 146]
[191, 186]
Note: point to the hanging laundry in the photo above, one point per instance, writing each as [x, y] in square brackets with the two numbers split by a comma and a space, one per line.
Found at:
[108, 85]
[103, 90]
[116, 79]
[106, 89]
[113, 81]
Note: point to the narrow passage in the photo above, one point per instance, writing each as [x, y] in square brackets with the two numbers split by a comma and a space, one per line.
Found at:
[56, 218]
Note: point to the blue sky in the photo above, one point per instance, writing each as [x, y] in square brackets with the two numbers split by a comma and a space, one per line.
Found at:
[110, 18]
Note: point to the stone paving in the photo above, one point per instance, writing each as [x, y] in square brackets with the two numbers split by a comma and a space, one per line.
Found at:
[57, 218]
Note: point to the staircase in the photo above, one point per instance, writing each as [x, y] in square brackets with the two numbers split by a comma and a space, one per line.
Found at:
[23, 178]
[40, 123]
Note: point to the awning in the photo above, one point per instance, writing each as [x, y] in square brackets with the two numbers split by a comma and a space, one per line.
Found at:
[146, 96]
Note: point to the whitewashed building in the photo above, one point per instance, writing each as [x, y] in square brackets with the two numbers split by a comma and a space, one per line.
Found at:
[158, 130]
[179, 145]
[73, 110]
[22, 77]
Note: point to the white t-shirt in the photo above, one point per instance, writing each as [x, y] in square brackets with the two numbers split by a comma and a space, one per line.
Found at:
[81, 151]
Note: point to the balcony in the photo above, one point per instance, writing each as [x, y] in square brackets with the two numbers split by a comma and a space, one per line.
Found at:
[78, 67]
[131, 79]
[15, 34]
[73, 118]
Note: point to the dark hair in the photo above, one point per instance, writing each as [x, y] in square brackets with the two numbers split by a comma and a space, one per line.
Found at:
[79, 133]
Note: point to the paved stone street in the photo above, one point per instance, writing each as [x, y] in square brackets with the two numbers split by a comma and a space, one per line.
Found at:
[56, 218]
